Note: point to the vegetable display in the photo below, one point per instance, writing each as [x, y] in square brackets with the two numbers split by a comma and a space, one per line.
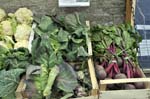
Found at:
[13, 62]
[17, 27]
[115, 50]
[56, 66]
[58, 40]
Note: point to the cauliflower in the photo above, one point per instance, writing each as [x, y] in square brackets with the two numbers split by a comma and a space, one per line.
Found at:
[22, 32]
[6, 28]
[2, 14]
[23, 43]
[24, 15]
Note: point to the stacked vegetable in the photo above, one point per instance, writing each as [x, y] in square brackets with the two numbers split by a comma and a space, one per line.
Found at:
[56, 67]
[13, 62]
[115, 50]
[60, 51]
[15, 28]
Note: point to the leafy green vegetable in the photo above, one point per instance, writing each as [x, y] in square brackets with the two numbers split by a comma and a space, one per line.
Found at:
[45, 23]
[51, 78]
[9, 81]
[67, 78]
[57, 40]
[16, 58]
[6, 42]
[41, 79]
[82, 52]
[10, 96]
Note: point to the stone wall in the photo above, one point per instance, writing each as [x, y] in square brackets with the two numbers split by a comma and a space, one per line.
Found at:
[100, 11]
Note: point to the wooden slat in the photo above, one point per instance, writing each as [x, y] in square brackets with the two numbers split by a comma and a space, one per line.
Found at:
[126, 94]
[117, 81]
[90, 97]
[128, 10]
[20, 89]
[133, 12]
[94, 82]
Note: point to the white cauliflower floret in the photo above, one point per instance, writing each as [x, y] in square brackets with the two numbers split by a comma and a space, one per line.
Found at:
[2, 14]
[6, 28]
[22, 32]
[23, 43]
[24, 15]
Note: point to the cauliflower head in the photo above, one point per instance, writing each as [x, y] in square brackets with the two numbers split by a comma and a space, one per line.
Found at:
[24, 15]
[2, 14]
[23, 43]
[6, 28]
[22, 32]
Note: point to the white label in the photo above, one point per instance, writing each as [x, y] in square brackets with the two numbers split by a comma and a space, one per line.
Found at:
[73, 3]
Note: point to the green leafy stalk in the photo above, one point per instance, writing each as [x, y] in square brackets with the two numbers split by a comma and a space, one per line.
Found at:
[40, 81]
[51, 78]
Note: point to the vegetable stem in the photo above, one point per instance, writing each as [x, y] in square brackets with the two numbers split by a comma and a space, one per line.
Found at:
[52, 76]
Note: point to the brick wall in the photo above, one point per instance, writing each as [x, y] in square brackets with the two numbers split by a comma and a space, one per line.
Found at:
[100, 11]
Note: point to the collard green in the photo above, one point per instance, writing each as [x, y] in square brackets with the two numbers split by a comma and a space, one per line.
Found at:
[67, 78]
[9, 81]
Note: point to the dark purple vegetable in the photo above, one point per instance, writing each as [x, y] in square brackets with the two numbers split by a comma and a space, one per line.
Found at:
[101, 74]
[110, 86]
[99, 67]
[128, 67]
[129, 86]
[120, 76]
[139, 85]
[137, 73]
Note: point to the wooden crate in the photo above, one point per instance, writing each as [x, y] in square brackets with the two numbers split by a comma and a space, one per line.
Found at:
[95, 87]
[125, 94]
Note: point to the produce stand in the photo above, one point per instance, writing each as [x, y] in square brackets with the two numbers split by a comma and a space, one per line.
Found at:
[109, 58]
